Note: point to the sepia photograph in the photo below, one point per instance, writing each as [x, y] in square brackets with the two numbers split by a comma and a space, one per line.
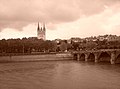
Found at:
[59, 44]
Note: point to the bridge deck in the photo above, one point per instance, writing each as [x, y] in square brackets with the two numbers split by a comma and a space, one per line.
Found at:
[93, 51]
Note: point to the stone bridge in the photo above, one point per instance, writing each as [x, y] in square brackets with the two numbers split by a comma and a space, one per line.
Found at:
[109, 55]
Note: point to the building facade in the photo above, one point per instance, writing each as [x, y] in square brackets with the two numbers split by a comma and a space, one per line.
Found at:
[41, 32]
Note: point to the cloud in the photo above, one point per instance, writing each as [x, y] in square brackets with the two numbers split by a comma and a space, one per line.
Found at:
[27, 31]
[18, 25]
[106, 22]
[19, 13]
[64, 18]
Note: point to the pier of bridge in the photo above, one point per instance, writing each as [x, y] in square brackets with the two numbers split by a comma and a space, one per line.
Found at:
[111, 55]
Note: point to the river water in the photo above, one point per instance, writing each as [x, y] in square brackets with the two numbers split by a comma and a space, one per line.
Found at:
[59, 75]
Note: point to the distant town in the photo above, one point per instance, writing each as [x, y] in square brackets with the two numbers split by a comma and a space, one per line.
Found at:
[39, 44]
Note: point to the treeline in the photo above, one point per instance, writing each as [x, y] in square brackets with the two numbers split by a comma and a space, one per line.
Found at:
[26, 45]
[31, 45]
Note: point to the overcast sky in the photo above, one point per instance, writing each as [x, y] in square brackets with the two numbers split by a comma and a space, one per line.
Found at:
[64, 18]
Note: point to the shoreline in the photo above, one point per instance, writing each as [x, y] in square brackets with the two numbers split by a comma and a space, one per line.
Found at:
[35, 61]
[20, 54]
[36, 57]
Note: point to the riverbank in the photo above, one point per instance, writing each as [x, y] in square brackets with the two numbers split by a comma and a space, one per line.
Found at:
[35, 57]
[19, 54]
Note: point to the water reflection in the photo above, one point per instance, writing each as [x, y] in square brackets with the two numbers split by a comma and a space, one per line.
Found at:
[59, 75]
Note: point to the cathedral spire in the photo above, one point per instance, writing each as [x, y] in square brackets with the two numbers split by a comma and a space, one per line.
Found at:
[38, 28]
[44, 27]
[41, 32]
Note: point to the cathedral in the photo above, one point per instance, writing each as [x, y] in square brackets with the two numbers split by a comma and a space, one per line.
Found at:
[41, 32]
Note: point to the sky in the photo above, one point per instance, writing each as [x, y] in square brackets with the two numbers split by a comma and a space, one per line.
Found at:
[63, 18]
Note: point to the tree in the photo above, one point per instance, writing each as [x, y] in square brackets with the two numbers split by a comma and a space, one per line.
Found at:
[91, 45]
[63, 46]
[75, 45]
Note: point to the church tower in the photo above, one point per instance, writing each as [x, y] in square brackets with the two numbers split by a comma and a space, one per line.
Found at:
[41, 32]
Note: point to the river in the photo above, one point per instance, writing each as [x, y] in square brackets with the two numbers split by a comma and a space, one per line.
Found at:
[67, 74]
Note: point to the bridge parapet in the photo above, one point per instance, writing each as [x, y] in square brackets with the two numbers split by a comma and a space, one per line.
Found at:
[94, 51]
[113, 53]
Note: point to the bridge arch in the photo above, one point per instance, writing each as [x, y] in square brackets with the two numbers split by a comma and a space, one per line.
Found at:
[91, 57]
[104, 57]
[82, 57]
[117, 59]
[75, 56]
